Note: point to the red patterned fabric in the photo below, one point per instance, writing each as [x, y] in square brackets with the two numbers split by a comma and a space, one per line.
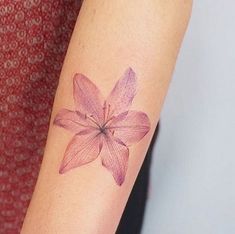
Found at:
[34, 36]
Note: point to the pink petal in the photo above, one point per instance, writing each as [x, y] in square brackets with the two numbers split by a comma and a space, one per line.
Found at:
[114, 157]
[121, 96]
[72, 121]
[130, 127]
[87, 97]
[81, 150]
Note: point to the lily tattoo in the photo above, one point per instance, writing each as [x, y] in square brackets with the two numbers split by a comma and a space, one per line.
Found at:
[102, 127]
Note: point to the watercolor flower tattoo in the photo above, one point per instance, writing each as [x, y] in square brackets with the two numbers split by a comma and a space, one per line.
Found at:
[102, 127]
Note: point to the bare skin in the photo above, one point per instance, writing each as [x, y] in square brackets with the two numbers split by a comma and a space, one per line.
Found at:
[109, 37]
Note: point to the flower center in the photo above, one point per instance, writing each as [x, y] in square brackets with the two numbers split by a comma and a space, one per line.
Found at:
[103, 130]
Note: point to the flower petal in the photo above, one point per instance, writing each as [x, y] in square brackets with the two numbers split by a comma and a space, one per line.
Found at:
[121, 96]
[130, 127]
[87, 97]
[81, 150]
[114, 157]
[72, 121]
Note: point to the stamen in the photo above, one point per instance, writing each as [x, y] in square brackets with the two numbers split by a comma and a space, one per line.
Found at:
[92, 119]
[108, 111]
[104, 110]
[107, 114]
[105, 124]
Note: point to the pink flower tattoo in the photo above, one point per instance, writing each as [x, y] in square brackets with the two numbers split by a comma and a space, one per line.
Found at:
[102, 127]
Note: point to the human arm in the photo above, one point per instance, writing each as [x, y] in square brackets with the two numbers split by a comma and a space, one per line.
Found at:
[109, 37]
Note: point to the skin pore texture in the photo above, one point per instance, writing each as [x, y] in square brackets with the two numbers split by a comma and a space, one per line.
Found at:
[105, 127]
[108, 101]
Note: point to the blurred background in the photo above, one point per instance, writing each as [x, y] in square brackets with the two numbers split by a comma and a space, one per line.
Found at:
[193, 169]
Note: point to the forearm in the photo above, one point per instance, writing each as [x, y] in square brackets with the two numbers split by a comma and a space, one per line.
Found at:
[109, 37]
